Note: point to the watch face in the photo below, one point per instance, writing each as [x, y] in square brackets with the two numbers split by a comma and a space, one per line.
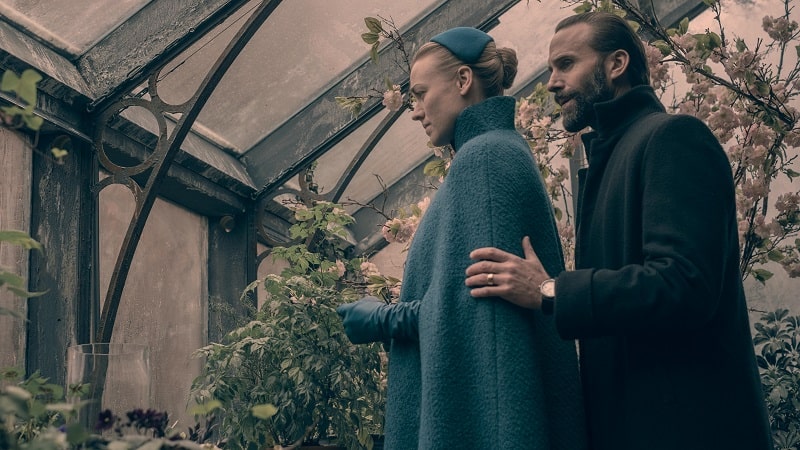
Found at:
[548, 288]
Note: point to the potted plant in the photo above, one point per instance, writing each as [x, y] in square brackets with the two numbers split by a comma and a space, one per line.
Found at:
[291, 376]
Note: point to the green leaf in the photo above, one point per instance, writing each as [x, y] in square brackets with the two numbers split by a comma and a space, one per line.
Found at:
[12, 313]
[32, 121]
[24, 86]
[10, 280]
[26, 294]
[63, 408]
[21, 238]
[742, 46]
[369, 38]
[775, 255]
[662, 46]
[585, 7]
[204, 408]
[9, 82]
[714, 40]
[58, 153]
[264, 411]
[17, 392]
[763, 88]
[762, 275]
[76, 434]
[27, 86]
[683, 27]
[373, 52]
[373, 25]
[791, 174]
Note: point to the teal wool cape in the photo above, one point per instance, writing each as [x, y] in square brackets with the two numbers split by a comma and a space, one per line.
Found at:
[485, 373]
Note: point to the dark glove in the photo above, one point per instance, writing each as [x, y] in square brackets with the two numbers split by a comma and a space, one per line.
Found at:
[372, 320]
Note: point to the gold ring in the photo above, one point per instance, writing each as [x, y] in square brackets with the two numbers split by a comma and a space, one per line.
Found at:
[490, 279]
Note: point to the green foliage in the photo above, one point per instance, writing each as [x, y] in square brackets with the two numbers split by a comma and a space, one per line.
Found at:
[29, 409]
[24, 88]
[777, 343]
[291, 374]
[37, 415]
[11, 281]
[352, 104]
[373, 36]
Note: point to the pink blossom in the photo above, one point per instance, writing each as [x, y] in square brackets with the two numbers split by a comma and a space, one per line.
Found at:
[780, 29]
[792, 138]
[659, 72]
[754, 190]
[740, 63]
[526, 113]
[788, 203]
[338, 268]
[399, 230]
[423, 205]
[393, 98]
[369, 269]
[722, 122]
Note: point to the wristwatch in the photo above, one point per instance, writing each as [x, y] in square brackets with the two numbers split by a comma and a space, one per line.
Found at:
[548, 291]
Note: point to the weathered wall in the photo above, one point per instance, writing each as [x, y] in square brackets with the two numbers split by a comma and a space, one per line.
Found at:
[15, 201]
[164, 304]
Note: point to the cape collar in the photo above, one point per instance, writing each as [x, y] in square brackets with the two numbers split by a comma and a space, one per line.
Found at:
[491, 114]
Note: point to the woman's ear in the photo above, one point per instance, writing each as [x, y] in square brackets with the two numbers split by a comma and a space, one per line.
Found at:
[464, 79]
[617, 64]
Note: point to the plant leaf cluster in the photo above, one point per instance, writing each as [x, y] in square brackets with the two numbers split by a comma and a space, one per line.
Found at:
[291, 375]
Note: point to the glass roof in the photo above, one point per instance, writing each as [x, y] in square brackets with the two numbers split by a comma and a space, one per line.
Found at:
[69, 25]
[273, 111]
[405, 146]
[303, 47]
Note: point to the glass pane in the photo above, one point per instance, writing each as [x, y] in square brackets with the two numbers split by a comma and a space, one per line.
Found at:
[73, 26]
[302, 48]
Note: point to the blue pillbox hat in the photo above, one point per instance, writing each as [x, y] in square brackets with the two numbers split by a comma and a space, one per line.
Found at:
[466, 43]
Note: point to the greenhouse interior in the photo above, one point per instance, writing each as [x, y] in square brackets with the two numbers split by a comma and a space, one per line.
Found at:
[190, 188]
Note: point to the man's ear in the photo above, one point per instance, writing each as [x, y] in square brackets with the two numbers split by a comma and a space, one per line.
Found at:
[464, 79]
[617, 64]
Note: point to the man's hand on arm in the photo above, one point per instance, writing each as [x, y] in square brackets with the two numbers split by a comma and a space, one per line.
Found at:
[501, 274]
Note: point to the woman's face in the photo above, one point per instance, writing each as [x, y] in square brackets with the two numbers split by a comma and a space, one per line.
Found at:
[438, 98]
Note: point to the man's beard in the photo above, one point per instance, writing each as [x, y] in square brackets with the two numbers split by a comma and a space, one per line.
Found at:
[582, 113]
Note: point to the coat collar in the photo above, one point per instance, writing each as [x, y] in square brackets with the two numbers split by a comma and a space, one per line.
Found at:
[614, 116]
[491, 114]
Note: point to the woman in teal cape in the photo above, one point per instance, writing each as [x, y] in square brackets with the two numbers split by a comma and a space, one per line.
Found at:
[467, 373]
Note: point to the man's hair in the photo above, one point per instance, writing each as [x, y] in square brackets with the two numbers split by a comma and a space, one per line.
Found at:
[611, 33]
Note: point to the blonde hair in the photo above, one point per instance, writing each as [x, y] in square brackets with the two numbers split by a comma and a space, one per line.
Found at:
[496, 68]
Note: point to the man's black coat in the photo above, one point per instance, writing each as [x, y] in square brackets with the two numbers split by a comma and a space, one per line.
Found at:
[656, 299]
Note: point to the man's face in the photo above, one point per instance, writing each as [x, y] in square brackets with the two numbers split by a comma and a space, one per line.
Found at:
[577, 76]
[437, 101]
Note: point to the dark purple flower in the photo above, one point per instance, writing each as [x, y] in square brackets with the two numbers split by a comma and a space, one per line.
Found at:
[134, 416]
[105, 420]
